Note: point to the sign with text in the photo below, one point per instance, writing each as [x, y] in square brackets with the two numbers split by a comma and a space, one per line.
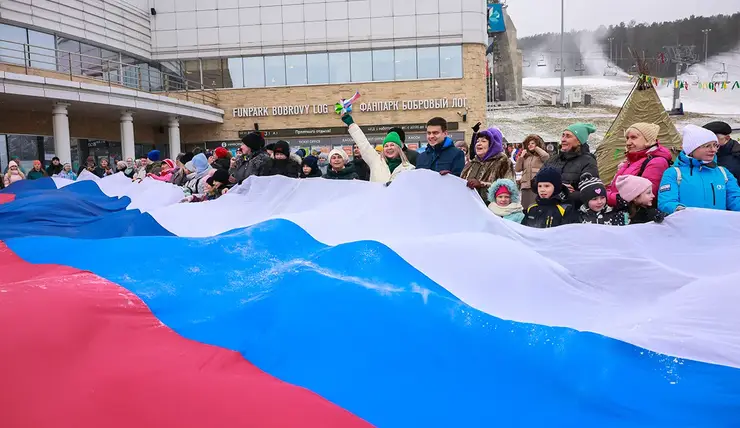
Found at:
[342, 130]
[371, 107]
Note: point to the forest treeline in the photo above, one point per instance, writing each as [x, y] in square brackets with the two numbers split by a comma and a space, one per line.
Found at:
[648, 39]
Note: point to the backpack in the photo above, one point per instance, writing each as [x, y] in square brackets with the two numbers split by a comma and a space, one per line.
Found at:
[678, 174]
[645, 164]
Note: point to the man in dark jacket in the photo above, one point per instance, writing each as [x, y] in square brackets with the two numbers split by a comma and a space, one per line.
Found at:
[411, 155]
[254, 157]
[440, 155]
[574, 160]
[55, 167]
[359, 164]
[281, 163]
[223, 159]
[728, 154]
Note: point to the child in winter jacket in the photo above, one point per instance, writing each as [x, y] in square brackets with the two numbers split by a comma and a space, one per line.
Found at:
[637, 194]
[506, 200]
[165, 174]
[595, 209]
[549, 210]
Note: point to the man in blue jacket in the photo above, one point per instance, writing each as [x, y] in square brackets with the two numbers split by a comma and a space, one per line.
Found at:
[440, 155]
[696, 181]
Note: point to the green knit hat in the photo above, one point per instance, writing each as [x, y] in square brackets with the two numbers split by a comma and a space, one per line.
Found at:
[581, 131]
[394, 138]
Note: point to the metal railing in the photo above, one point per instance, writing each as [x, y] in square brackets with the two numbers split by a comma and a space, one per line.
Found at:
[111, 72]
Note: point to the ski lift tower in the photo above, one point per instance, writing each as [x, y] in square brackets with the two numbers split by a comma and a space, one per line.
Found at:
[683, 57]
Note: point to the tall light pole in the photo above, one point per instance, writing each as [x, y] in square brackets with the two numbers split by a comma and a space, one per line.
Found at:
[562, 48]
[706, 44]
[611, 51]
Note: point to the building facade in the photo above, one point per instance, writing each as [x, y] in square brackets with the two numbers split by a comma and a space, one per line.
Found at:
[116, 78]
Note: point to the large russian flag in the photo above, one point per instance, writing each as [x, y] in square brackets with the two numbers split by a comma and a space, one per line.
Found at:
[317, 303]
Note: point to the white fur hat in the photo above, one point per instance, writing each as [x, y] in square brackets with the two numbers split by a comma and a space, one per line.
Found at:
[339, 151]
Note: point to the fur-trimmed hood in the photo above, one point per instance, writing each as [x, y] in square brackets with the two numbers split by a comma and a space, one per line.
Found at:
[516, 196]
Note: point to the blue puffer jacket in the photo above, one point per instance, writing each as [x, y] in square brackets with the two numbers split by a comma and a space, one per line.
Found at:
[442, 157]
[701, 186]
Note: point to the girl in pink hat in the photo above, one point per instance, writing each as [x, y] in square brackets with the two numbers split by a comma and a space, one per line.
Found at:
[637, 194]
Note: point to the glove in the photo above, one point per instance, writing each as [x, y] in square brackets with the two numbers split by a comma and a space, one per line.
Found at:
[659, 216]
[474, 184]
[347, 119]
[476, 127]
[187, 199]
[445, 172]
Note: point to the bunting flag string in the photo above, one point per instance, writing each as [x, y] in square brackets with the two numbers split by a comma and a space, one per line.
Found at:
[685, 85]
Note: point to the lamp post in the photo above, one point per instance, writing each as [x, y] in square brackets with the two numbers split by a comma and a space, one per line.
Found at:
[611, 50]
[706, 44]
[562, 49]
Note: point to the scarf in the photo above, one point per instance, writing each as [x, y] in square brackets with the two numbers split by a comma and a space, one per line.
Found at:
[512, 208]
[393, 163]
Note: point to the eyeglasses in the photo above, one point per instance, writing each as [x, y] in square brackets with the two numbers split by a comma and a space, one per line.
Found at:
[711, 145]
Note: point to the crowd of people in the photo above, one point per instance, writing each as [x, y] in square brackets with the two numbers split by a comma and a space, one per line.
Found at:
[526, 183]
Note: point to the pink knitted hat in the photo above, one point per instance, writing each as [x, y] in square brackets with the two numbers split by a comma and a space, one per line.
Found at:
[632, 186]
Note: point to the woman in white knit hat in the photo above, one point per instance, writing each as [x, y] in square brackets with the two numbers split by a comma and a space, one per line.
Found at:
[645, 158]
[696, 181]
[338, 168]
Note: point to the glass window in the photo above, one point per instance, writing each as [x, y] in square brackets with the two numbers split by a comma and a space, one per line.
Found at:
[339, 67]
[318, 68]
[25, 148]
[383, 65]
[212, 73]
[68, 56]
[155, 78]
[92, 64]
[192, 73]
[234, 73]
[132, 72]
[450, 61]
[41, 50]
[3, 153]
[295, 70]
[111, 66]
[275, 70]
[428, 60]
[362, 66]
[254, 72]
[12, 50]
[405, 64]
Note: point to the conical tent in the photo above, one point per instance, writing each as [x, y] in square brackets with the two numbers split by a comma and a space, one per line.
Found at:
[643, 105]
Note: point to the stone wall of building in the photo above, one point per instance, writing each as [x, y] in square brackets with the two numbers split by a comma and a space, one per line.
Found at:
[471, 88]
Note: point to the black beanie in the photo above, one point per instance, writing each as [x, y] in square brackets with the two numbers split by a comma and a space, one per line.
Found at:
[282, 147]
[591, 187]
[187, 157]
[220, 175]
[400, 133]
[270, 146]
[254, 141]
[721, 128]
[550, 175]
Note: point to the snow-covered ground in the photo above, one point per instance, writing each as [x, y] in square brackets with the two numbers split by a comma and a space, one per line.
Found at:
[608, 95]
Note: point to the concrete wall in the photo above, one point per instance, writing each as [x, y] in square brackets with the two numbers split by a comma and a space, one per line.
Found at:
[472, 87]
[211, 28]
[115, 24]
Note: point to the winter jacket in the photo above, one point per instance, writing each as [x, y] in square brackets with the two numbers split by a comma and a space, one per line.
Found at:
[161, 177]
[551, 212]
[411, 155]
[68, 175]
[379, 170]
[154, 168]
[196, 184]
[53, 170]
[11, 178]
[487, 172]
[222, 163]
[530, 165]
[728, 156]
[35, 175]
[700, 186]
[608, 216]
[514, 211]
[442, 157]
[571, 166]
[362, 169]
[646, 215]
[348, 173]
[285, 167]
[253, 164]
[655, 160]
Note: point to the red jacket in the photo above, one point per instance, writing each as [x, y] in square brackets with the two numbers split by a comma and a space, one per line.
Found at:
[660, 158]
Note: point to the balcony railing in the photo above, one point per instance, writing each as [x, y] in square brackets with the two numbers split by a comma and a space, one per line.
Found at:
[47, 62]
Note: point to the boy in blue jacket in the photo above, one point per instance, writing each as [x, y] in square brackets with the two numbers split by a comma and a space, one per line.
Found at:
[696, 181]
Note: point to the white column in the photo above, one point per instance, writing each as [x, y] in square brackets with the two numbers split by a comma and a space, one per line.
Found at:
[127, 134]
[174, 128]
[62, 147]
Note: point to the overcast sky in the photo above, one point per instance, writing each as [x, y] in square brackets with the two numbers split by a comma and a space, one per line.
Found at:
[542, 16]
